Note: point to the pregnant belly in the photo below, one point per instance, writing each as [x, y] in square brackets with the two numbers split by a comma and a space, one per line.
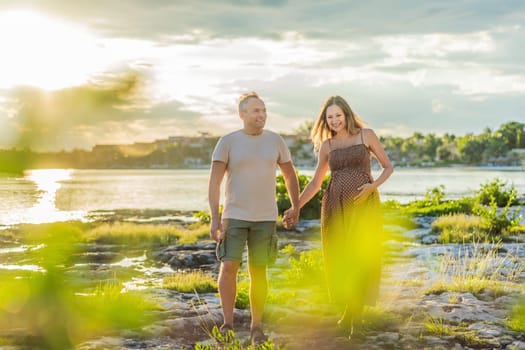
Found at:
[345, 184]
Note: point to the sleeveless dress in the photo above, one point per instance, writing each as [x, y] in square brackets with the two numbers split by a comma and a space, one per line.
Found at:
[351, 232]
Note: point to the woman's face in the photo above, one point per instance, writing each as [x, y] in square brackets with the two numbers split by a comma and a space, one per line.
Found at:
[335, 118]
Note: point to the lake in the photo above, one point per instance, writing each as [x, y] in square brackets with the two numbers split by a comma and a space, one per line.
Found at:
[62, 194]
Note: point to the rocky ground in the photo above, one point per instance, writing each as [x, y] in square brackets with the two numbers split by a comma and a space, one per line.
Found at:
[413, 319]
[408, 317]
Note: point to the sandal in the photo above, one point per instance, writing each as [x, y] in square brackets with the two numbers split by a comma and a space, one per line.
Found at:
[258, 336]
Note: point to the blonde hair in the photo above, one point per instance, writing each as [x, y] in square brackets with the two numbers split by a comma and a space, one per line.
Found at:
[321, 131]
[244, 98]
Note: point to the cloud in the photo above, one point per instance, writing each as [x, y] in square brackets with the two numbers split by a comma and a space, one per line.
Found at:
[113, 104]
[448, 66]
[335, 19]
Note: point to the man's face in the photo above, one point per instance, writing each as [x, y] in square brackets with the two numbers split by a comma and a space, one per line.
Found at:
[254, 114]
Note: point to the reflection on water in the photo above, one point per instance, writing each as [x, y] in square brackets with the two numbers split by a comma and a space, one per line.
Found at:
[41, 187]
[33, 268]
[150, 275]
[47, 183]
[21, 267]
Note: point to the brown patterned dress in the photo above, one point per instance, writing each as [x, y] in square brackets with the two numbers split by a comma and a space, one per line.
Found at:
[351, 232]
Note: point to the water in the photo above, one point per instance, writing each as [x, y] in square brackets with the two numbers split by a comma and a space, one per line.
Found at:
[62, 194]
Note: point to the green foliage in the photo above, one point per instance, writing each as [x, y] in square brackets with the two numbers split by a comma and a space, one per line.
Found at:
[312, 209]
[203, 216]
[517, 317]
[48, 305]
[485, 204]
[307, 269]
[433, 204]
[288, 249]
[14, 161]
[498, 190]
[242, 299]
[499, 221]
[229, 341]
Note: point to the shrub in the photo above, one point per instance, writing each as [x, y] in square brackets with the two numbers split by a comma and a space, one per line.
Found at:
[499, 190]
[307, 269]
[312, 209]
[498, 221]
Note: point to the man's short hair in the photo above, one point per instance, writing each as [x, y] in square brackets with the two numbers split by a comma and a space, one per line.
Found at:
[244, 98]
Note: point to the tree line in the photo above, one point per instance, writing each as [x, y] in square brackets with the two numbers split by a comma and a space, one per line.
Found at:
[491, 147]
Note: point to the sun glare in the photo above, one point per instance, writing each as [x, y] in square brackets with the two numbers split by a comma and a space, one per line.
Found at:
[48, 182]
[46, 52]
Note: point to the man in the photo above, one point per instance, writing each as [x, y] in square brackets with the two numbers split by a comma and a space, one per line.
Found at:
[249, 158]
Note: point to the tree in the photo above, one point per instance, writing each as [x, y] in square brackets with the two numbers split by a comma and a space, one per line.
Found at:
[512, 134]
[471, 148]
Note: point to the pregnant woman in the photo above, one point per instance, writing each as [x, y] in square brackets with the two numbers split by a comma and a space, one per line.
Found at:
[351, 223]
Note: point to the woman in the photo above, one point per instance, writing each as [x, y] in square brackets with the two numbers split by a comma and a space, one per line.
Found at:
[350, 214]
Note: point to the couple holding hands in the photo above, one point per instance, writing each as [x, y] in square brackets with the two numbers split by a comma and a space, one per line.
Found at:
[351, 228]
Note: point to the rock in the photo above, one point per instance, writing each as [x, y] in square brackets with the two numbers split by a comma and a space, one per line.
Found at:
[469, 310]
[388, 337]
[517, 345]
[192, 260]
[429, 239]
[101, 257]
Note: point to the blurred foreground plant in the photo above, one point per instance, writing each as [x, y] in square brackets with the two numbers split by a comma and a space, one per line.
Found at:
[46, 309]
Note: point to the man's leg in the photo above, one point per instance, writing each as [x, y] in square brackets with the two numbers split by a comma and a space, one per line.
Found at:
[258, 291]
[228, 288]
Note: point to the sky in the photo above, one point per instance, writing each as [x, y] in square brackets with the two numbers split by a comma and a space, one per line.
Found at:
[78, 73]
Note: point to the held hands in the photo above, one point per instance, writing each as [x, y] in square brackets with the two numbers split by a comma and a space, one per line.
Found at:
[290, 218]
[216, 231]
[364, 191]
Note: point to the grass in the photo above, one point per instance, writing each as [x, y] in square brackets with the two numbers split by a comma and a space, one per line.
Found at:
[517, 317]
[119, 233]
[230, 341]
[193, 281]
[436, 326]
[479, 269]
[460, 228]
[138, 234]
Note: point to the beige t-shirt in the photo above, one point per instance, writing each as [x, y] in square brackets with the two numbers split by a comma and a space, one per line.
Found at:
[251, 164]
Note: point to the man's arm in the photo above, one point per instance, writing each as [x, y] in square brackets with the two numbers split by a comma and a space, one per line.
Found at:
[292, 185]
[214, 194]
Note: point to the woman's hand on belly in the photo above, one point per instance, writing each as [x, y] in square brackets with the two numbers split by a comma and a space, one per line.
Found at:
[364, 191]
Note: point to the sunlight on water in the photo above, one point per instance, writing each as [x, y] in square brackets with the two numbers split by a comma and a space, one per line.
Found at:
[153, 276]
[34, 268]
[47, 182]
[20, 249]
[21, 267]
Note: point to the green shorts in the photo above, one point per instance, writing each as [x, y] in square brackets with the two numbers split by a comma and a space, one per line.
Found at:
[260, 236]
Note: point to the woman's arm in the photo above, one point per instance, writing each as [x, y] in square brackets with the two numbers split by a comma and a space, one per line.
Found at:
[379, 152]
